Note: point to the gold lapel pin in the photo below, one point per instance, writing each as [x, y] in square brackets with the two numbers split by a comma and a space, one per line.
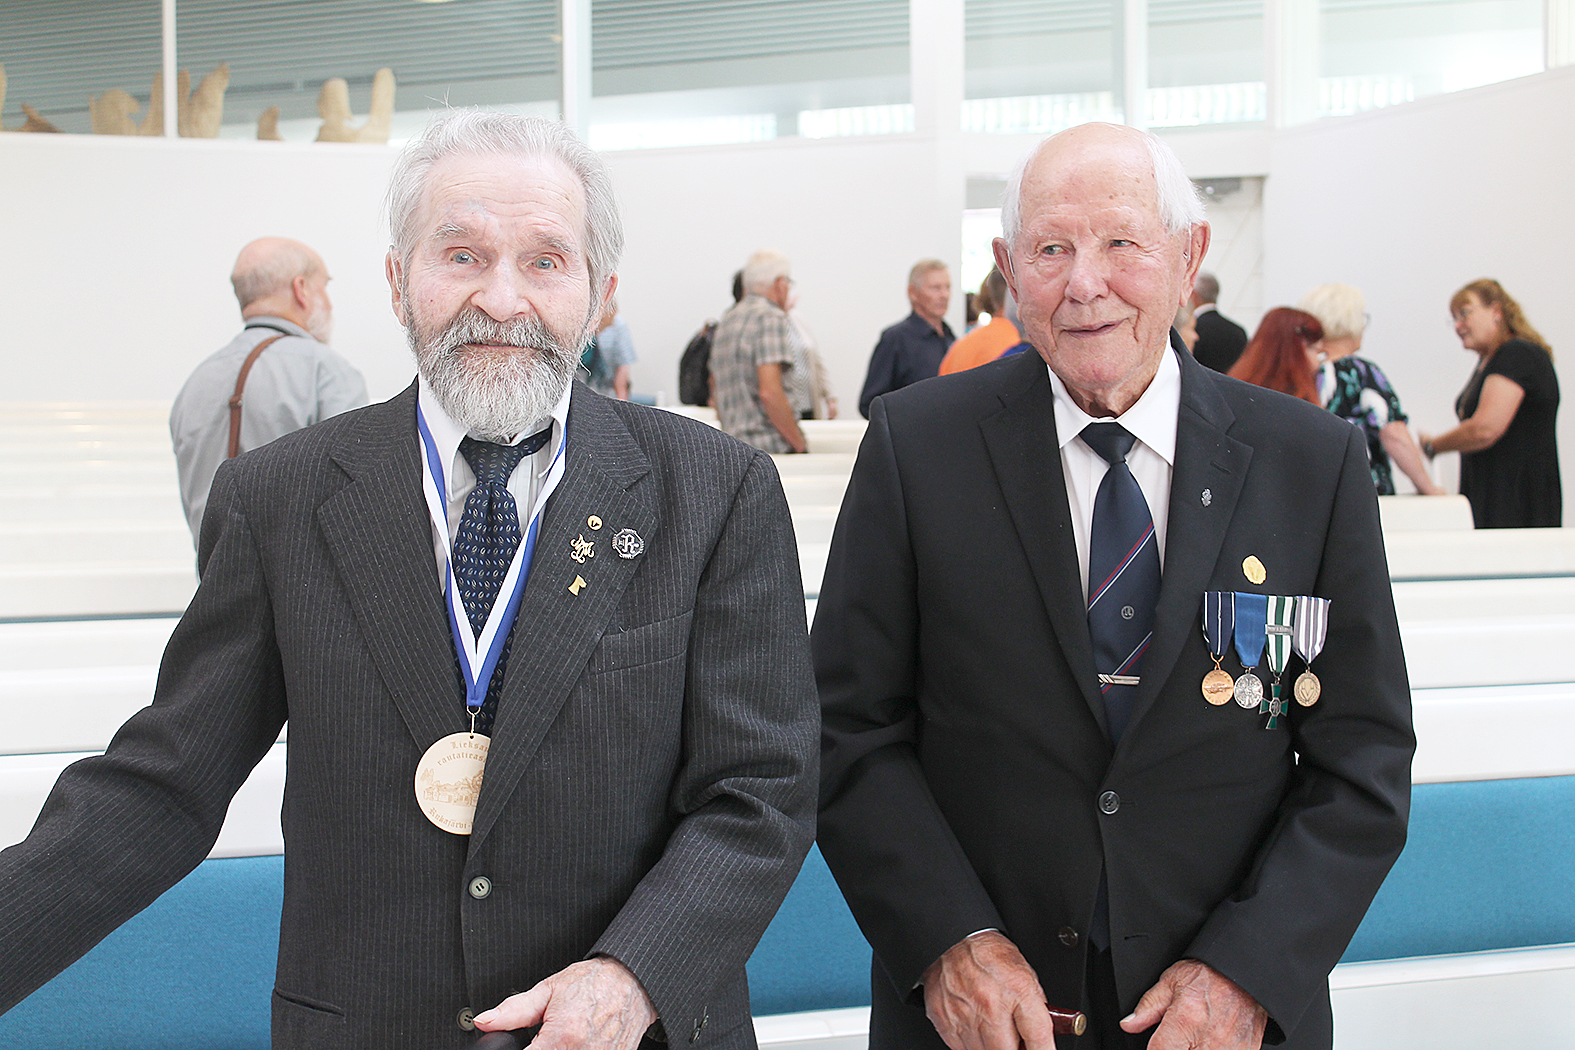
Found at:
[593, 522]
[577, 586]
[1253, 569]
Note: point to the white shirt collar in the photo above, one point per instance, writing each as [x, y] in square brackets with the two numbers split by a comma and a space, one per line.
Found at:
[1152, 419]
[447, 434]
[1205, 308]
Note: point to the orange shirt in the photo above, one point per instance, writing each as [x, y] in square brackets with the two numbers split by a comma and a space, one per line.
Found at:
[980, 346]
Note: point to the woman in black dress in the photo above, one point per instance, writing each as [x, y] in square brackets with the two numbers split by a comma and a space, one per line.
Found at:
[1509, 461]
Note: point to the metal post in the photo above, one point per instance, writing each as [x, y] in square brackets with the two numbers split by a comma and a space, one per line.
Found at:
[171, 109]
[575, 62]
[1129, 44]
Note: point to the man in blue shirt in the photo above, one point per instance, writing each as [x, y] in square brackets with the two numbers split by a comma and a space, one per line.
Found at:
[911, 349]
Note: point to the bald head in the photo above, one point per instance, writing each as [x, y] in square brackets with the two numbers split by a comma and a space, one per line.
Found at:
[1103, 237]
[279, 277]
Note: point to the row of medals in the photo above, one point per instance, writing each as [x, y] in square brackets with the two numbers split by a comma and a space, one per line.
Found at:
[1219, 687]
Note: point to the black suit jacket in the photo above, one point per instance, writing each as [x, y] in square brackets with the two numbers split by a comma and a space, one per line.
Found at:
[964, 748]
[1220, 340]
[649, 792]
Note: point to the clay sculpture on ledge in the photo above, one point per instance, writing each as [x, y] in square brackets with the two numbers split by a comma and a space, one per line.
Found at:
[333, 105]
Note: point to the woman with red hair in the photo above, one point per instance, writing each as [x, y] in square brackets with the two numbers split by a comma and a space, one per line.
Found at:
[1282, 354]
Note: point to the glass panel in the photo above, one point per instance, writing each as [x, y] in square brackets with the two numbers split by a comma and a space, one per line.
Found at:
[57, 55]
[280, 53]
[1032, 66]
[1379, 52]
[719, 71]
[1205, 62]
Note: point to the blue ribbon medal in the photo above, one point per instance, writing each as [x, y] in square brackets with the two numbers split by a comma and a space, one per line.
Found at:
[1252, 623]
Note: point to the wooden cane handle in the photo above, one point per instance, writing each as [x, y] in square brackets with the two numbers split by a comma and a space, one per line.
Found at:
[1067, 1022]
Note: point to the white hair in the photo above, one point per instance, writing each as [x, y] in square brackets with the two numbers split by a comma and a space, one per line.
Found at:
[469, 132]
[763, 268]
[1339, 308]
[1180, 203]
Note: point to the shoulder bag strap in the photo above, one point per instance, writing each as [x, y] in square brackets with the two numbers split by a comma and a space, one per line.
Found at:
[240, 385]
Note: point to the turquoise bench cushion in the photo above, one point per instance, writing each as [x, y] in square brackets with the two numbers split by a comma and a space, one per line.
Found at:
[1489, 864]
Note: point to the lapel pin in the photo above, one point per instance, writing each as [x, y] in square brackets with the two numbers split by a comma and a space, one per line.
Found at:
[581, 548]
[1208, 497]
[593, 522]
[577, 586]
[1253, 569]
[628, 544]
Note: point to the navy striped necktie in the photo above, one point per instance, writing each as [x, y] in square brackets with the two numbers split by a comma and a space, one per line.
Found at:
[1123, 575]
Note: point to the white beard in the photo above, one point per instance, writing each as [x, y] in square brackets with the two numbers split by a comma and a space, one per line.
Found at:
[495, 397]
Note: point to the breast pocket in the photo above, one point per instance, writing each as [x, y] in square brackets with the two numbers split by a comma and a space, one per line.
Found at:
[646, 644]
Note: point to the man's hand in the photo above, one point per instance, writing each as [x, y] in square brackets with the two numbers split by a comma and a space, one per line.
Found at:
[983, 995]
[1198, 1007]
[593, 1004]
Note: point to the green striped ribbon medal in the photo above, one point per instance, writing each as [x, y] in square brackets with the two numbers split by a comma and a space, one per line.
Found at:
[1278, 628]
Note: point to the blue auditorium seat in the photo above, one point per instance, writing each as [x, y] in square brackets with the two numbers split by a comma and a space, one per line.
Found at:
[1489, 865]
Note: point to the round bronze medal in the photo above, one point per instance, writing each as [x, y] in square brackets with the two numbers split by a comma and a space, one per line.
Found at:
[1249, 691]
[1218, 686]
[1308, 689]
[448, 781]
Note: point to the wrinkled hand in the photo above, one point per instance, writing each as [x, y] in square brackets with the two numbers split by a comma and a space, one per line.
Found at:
[983, 995]
[594, 1004]
[1196, 1006]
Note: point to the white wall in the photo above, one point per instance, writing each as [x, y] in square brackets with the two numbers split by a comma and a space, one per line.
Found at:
[1412, 202]
[119, 249]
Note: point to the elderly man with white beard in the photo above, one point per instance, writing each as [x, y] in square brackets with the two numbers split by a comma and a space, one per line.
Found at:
[552, 726]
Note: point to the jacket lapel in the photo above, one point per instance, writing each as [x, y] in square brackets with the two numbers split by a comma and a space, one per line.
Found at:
[1021, 438]
[558, 623]
[379, 534]
[1207, 458]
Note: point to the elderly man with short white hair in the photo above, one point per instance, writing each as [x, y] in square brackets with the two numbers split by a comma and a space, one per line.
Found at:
[752, 358]
[1076, 754]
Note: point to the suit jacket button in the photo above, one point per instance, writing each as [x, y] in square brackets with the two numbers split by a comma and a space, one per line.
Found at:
[1067, 936]
[467, 1019]
[1109, 802]
[480, 887]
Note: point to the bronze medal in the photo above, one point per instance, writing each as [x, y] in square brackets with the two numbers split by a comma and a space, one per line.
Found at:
[1307, 689]
[1249, 691]
[448, 781]
[1218, 686]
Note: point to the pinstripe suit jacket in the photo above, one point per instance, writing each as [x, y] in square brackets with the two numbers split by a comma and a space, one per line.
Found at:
[650, 789]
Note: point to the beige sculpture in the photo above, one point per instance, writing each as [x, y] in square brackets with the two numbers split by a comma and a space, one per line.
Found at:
[202, 111]
[333, 105]
[34, 121]
[268, 126]
[112, 112]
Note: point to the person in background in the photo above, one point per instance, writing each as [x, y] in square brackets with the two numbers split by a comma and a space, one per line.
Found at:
[752, 359]
[912, 349]
[1282, 354]
[987, 342]
[971, 311]
[809, 385]
[297, 379]
[607, 359]
[1357, 390]
[1186, 326]
[1220, 340]
[1509, 455]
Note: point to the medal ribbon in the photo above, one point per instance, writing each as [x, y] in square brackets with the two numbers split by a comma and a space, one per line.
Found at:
[1219, 622]
[478, 657]
[1251, 626]
[1277, 625]
[1311, 627]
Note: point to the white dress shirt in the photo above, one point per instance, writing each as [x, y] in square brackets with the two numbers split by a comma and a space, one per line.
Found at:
[1152, 420]
[524, 484]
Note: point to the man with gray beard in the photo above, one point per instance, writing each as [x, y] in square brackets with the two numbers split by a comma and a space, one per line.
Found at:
[552, 723]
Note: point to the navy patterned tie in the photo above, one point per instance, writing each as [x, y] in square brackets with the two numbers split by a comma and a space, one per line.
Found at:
[1123, 575]
[484, 543]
